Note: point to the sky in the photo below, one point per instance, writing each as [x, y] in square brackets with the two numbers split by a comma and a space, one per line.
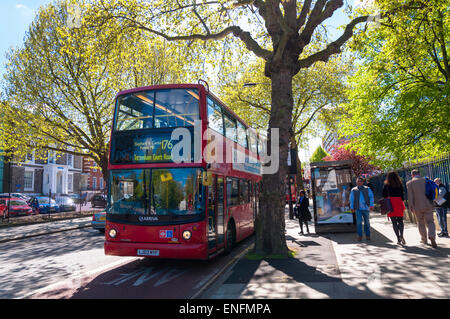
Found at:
[17, 15]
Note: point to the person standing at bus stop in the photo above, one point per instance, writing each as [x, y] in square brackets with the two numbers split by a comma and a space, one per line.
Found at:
[304, 215]
[422, 207]
[393, 190]
[361, 203]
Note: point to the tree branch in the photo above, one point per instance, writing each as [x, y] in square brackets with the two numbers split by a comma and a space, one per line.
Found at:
[332, 48]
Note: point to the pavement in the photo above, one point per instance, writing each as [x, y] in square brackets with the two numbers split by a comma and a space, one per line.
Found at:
[336, 266]
[325, 266]
[33, 230]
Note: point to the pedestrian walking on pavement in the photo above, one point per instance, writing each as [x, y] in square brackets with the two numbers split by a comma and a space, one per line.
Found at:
[304, 215]
[441, 209]
[361, 203]
[393, 190]
[422, 207]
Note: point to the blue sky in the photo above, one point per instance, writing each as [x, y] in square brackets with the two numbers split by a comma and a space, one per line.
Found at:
[15, 18]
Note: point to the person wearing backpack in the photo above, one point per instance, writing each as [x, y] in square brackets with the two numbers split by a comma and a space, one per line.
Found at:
[422, 207]
[441, 207]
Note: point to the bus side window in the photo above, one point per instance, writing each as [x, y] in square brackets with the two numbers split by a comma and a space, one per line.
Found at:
[242, 135]
[235, 192]
[230, 127]
[215, 116]
[229, 185]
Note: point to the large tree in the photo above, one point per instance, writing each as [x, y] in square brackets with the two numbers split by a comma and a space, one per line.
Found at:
[61, 83]
[315, 90]
[398, 105]
[277, 32]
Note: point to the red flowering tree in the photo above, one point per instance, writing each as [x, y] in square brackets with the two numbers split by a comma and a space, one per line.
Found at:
[360, 165]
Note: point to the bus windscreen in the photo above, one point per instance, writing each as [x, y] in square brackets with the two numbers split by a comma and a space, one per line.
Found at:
[167, 194]
[157, 109]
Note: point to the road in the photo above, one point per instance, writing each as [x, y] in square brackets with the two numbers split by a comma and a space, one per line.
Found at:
[72, 264]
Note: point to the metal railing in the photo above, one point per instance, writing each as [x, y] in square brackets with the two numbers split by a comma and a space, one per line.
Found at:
[437, 167]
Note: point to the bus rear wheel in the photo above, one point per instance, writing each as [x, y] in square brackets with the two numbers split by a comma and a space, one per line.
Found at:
[230, 238]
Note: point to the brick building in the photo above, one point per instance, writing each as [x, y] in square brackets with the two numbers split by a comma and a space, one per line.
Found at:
[92, 176]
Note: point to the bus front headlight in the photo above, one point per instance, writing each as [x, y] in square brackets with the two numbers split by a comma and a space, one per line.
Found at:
[187, 235]
[113, 233]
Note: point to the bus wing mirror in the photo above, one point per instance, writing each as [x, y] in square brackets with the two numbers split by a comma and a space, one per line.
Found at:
[207, 178]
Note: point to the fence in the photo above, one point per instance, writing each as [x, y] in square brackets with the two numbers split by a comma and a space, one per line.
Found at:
[433, 168]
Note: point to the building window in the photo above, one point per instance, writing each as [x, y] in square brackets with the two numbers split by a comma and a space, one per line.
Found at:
[94, 183]
[70, 160]
[28, 183]
[51, 157]
[101, 183]
[30, 158]
[70, 182]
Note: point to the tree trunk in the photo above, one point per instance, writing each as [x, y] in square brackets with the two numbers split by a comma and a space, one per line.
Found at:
[270, 223]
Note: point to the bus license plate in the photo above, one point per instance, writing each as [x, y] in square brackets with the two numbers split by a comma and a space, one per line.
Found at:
[147, 252]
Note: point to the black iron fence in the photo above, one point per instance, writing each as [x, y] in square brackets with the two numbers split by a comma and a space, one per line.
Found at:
[438, 167]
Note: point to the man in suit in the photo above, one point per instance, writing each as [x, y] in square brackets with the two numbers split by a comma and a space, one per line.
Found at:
[422, 207]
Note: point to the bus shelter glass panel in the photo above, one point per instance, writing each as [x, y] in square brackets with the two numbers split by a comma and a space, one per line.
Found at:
[332, 193]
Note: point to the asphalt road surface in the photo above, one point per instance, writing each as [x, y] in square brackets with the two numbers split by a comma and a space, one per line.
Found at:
[72, 264]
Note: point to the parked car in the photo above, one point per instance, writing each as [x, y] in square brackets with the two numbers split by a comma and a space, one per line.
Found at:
[66, 204]
[44, 205]
[21, 196]
[76, 198]
[99, 221]
[14, 207]
[98, 200]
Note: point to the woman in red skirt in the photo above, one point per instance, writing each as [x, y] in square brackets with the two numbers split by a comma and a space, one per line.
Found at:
[393, 190]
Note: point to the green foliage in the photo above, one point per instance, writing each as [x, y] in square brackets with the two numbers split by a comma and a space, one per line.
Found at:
[398, 105]
[318, 155]
[61, 84]
[317, 91]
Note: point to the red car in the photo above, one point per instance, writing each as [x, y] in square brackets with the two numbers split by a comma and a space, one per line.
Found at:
[16, 206]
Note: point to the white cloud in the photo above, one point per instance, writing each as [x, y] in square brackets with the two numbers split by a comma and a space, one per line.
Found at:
[22, 6]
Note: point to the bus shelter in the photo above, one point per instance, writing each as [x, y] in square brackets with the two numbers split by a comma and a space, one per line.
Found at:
[331, 183]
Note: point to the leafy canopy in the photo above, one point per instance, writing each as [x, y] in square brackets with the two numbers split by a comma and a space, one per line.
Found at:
[398, 106]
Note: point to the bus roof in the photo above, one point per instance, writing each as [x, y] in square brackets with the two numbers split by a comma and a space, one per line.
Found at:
[161, 87]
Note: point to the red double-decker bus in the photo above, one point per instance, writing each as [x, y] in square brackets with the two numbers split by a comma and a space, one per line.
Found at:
[167, 201]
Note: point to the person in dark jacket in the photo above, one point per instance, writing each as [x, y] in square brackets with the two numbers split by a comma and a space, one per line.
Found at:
[441, 210]
[393, 190]
[304, 216]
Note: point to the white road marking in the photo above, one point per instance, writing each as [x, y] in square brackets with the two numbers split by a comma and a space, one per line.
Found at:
[50, 287]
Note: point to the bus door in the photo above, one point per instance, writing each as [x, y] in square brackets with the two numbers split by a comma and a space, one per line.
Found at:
[215, 212]
[212, 212]
[220, 208]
